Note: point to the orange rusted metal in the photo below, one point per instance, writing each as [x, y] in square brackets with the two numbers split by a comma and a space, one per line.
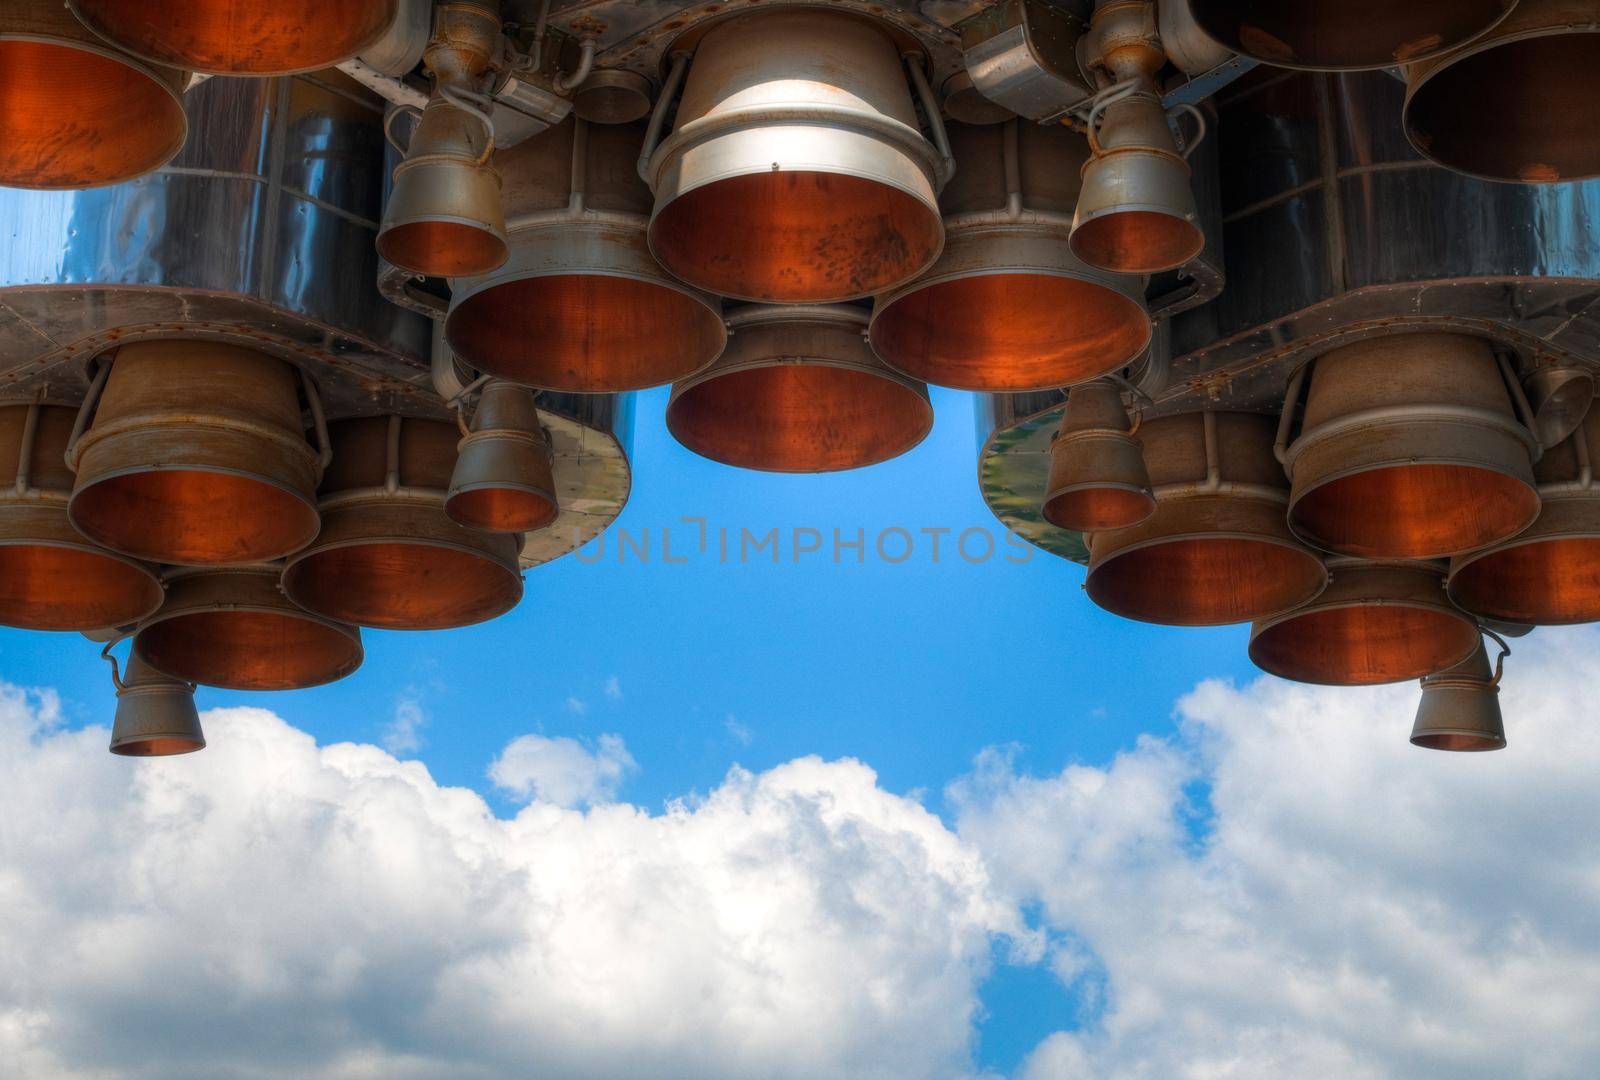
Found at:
[1411, 448]
[197, 455]
[1217, 549]
[239, 37]
[76, 111]
[387, 555]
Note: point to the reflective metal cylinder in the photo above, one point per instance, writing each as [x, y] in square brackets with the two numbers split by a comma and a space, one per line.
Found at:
[1217, 549]
[503, 480]
[387, 555]
[1335, 35]
[75, 111]
[1460, 708]
[240, 37]
[1549, 574]
[581, 305]
[1375, 623]
[1098, 478]
[1410, 448]
[51, 578]
[797, 172]
[1521, 103]
[197, 455]
[799, 390]
[1008, 306]
[155, 716]
[1136, 211]
[232, 627]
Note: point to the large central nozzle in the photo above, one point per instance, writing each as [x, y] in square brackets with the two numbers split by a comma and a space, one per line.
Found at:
[443, 217]
[1346, 35]
[76, 111]
[797, 172]
[240, 37]
[197, 455]
[1008, 306]
[581, 305]
[1411, 448]
[799, 391]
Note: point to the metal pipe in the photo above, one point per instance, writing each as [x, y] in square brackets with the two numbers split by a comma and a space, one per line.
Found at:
[930, 106]
[658, 116]
[391, 474]
[1213, 481]
[580, 167]
[585, 66]
[385, 86]
[1291, 405]
[85, 411]
[1013, 162]
[30, 427]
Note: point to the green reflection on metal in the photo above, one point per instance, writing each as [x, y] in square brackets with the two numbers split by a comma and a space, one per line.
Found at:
[1012, 472]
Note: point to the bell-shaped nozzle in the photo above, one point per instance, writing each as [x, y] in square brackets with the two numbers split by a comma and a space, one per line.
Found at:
[444, 217]
[503, 480]
[1098, 478]
[1136, 213]
[1460, 707]
[1560, 397]
[156, 716]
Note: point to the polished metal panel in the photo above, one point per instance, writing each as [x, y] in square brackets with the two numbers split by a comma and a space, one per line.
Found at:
[1023, 55]
[260, 230]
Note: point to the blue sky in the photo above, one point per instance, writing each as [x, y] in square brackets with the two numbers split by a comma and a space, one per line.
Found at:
[914, 668]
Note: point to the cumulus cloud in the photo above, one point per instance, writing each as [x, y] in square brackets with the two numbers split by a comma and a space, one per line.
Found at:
[1290, 889]
[273, 909]
[562, 771]
[403, 733]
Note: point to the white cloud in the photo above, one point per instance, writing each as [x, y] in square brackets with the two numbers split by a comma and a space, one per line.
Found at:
[577, 706]
[1349, 907]
[613, 689]
[271, 909]
[403, 733]
[738, 731]
[562, 771]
